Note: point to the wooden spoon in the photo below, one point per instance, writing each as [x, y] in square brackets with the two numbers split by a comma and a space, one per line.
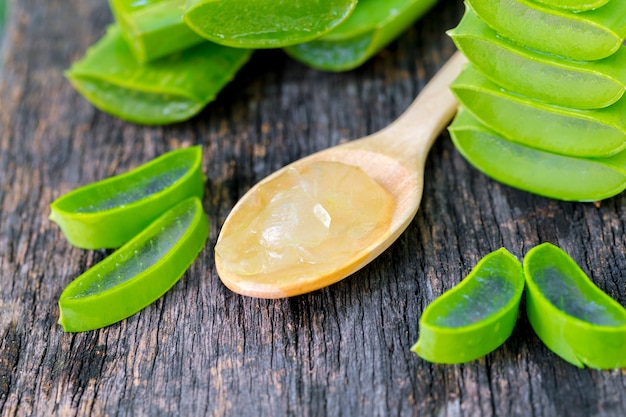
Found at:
[395, 157]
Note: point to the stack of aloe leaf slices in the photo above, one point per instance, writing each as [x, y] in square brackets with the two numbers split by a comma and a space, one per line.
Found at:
[163, 61]
[552, 107]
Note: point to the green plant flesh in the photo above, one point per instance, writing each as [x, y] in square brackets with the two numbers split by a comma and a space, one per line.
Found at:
[108, 213]
[475, 317]
[572, 316]
[582, 133]
[153, 28]
[582, 85]
[574, 5]
[167, 90]
[265, 23]
[549, 174]
[588, 36]
[369, 29]
[138, 273]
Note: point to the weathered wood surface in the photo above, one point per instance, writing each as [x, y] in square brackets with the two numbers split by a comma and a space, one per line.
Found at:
[203, 350]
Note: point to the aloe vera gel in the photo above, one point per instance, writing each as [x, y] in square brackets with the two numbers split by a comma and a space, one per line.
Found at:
[546, 82]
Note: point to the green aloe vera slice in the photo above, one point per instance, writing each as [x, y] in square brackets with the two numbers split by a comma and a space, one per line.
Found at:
[153, 28]
[265, 23]
[108, 213]
[583, 85]
[587, 36]
[372, 26]
[583, 133]
[544, 173]
[138, 273]
[167, 90]
[475, 317]
[570, 314]
[574, 5]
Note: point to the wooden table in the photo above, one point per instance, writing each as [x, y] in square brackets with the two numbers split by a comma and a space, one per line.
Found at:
[203, 350]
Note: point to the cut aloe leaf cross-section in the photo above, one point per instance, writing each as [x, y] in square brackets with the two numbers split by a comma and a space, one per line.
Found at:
[570, 314]
[568, 83]
[153, 28]
[586, 36]
[265, 23]
[108, 213]
[582, 133]
[372, 25]
[476, 316]
[138, 273]
[167, 90]
[544, 173]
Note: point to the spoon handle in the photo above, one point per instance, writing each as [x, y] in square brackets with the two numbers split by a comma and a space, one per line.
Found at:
[416, 129]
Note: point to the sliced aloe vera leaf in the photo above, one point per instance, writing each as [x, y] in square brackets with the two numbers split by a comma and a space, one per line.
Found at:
[167, 90]
[108, 213]
[544, 173]
[138, 273]
[372, 26]
[586, 36]
[265, 23]
[570, 314]
[476, 316]
[153, 28]
[576, 84]
[574, 5]
[582, 133]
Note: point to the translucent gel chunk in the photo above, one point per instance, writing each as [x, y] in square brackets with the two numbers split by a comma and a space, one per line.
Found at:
[306, 222]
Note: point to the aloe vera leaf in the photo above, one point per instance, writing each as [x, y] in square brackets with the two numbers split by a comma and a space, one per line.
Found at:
[108, 213]
[574, 5]
[586, 36]
[153, 28]
[582, 133]
[138, 273]
[570, 314]
[476, 316]
[265, 23]
[167, 90]
[3, 17]
[372, 26]
[544, 173]
[576, 84]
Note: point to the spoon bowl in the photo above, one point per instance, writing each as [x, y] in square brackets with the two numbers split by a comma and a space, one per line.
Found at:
[394, 157]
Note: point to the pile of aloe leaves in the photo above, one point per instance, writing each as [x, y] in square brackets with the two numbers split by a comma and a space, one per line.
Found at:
[163, 61]
[542, 99]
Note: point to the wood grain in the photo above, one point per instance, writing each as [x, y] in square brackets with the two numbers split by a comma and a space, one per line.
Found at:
[203, 350]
